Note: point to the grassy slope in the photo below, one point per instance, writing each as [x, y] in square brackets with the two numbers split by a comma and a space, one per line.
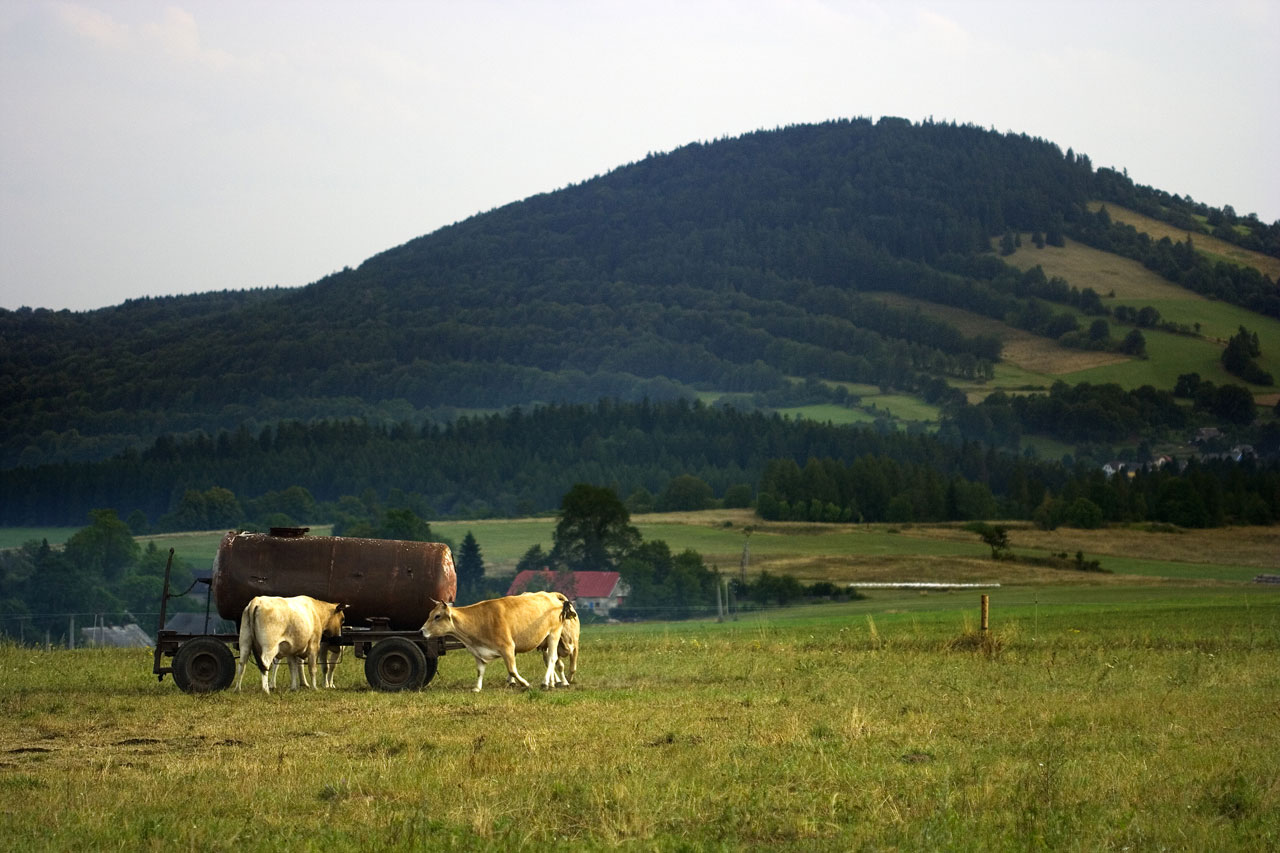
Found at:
[1136, 286]
[1204, 243]
[1036, 363]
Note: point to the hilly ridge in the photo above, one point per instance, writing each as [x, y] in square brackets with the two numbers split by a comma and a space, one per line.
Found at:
[734, 266]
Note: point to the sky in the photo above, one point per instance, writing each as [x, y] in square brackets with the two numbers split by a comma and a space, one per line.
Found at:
[154, 148]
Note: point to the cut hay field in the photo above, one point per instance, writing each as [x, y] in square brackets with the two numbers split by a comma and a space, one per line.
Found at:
[1094, 718]
[1205, 243]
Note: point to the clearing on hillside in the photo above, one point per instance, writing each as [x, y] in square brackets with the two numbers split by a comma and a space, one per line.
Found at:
[1205, 243]
[1029, 352]
[1106, 273]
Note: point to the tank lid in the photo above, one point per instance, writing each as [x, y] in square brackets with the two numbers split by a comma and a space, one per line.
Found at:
[289, 532]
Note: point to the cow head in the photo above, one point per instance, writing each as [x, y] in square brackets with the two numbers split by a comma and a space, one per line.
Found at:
[439, 620]
[333, 625]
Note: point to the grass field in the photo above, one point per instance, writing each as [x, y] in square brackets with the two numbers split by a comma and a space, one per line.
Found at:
[1033, 361]
[1139, 709]
[1136, 286]
[848, 553]
[1086, 719]
[1209, 245]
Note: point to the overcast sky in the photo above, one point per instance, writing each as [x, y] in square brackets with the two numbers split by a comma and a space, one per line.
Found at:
[150, 148]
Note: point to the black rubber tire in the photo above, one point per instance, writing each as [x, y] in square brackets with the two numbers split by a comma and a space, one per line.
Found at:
[396, 664]
[203, 665]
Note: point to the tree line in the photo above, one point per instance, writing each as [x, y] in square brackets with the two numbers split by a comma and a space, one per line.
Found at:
[1199, 493]
[675, 455]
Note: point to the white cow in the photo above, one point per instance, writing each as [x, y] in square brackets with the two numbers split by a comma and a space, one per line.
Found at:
[503, 627]
[272, 627]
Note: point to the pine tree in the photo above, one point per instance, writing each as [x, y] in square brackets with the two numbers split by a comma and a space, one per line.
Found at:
[470, 568]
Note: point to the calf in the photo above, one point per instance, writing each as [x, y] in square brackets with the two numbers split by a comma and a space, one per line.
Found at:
[272, 627]
[503, 627]
[568, 647]
[330, 656]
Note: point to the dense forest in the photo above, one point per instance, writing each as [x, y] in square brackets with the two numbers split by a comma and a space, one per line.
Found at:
[670, 456]
[728, 266]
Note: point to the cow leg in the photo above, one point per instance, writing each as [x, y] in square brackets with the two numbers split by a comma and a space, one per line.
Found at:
[560, 679]
[242, 664]
[509, 658]
[311, 665]
[546, 659]
[552, 656]
[333, 659]
[268, 660]
[573, 664]
[327, 665]
[296, 672]
[305, 683]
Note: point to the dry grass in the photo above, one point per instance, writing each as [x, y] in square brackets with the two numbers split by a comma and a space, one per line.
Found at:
[880, 724]
[1263, 263]
[1258, 547]
[1032, 353]
[1084, 266]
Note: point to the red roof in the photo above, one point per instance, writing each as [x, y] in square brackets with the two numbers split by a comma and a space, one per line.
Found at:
[585, 584]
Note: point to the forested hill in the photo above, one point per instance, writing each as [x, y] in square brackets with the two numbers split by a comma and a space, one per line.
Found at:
[725, 266]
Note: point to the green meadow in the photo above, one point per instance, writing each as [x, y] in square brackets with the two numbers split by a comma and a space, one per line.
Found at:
[1085, 718]
[1136, 708]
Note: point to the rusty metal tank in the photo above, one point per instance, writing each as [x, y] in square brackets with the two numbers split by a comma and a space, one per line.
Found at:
[385, 578]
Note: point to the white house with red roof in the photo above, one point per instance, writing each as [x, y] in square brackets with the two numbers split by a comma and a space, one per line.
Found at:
[596, 592]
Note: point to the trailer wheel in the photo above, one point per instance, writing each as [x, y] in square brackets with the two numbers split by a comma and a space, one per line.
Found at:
[396, 664]
[203, 665]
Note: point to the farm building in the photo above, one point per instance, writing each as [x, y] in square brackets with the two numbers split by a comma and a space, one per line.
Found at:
[129, 636]
[597, 592]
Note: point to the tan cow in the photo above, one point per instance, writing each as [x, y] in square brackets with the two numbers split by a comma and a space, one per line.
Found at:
[568, 647]
[272, 627]
[504, 627]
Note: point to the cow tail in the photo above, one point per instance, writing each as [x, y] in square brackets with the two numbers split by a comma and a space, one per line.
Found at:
[249, 635]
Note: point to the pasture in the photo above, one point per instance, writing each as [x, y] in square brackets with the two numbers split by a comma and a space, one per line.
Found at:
[1204, 243]
[1094, 717]
[847, 553]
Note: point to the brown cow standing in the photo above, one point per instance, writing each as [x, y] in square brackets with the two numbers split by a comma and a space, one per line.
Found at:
[504, 627]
